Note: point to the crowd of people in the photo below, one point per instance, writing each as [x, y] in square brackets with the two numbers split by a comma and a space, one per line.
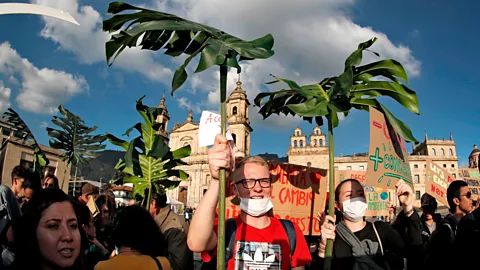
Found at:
[44, 228]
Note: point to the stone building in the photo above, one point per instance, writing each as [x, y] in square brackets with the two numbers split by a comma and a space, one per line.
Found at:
[14, 153]
[473, 158]
[304, 150]
[191, 191]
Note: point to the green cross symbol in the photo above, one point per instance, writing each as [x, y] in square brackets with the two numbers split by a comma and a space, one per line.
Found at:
[376, 159]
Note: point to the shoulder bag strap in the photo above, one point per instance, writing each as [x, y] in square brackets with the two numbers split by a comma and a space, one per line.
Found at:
[230, 234]
[159, 265]
[292, 236]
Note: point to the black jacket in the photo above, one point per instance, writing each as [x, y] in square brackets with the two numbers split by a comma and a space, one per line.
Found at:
[439, 246]
[467, 239]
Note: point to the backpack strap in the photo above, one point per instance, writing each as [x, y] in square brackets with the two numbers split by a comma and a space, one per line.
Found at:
[378, 238]
[159, 265]
[292, 236]
[230, 233]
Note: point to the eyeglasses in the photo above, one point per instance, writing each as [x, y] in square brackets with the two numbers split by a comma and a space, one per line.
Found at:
[468, 195]
[250, 183]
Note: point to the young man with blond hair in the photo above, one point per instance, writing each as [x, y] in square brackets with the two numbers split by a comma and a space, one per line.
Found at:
[256, 234]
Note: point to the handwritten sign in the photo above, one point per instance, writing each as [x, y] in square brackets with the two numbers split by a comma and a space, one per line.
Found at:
[209, 127]
[388, 160]
[298, 193]
[377, 198]
[472, 177]
[437, 181]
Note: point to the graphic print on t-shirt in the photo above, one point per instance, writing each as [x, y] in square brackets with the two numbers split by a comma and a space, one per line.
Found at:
[257, 256]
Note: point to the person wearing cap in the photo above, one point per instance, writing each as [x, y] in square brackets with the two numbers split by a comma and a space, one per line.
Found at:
[430, 219]
[175, 230]
[88, 190]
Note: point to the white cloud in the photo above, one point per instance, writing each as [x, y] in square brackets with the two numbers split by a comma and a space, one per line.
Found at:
[307, 48]
[41, 90]
[87, 41]
[187, 105]
[5, 93]
[43, 124]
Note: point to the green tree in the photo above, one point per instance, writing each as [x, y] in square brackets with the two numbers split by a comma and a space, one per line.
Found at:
[23, 133]
[74, 137]
[154, 30]
[149, 163]
[357, 87]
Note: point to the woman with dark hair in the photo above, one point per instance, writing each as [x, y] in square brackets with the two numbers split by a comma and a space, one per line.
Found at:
[47, 236]
[50, 181]
[364, 245]
[103, 221]
[94, 251]
[138, 241]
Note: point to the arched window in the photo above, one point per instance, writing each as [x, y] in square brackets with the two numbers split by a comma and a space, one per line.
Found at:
[301, 143]
[234, 111]
[442, 151]
[434, 152]
[295, 144]
[314, 142]
[234, 138]
[320, 142]
[316, 131]
[207, 179]
[450, 151]
[298, 133]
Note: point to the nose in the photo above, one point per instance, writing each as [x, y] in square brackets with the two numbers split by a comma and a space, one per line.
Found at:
[257, 187]
[66, 233]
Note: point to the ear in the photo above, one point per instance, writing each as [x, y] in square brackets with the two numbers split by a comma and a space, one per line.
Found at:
[456, 201]
[233, 190]
[337, 206]
[84, 227]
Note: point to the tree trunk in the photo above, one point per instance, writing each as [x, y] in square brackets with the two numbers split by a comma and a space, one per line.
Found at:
[221, 205]
[331, 189]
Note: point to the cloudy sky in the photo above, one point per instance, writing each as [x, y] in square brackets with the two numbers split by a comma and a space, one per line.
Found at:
[45, 63]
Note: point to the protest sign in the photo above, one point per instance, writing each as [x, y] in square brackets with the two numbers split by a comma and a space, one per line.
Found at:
[92, 206]
[298, 194]
[388, 160]
[472, 177]
[437, 182]
[377, 198]
[209, 127]
[24, 8]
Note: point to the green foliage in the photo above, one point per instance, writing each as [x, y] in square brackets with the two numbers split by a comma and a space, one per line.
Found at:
[23, 133]
[74, 137]
[357, 87]
[178, 36]
[149, 162]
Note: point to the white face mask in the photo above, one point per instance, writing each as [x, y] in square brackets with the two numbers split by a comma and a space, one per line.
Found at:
[355, 208]
[255, 207]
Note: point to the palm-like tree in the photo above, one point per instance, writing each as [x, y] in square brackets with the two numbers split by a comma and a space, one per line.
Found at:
[154, 30]
[357, 87]
[74, 137]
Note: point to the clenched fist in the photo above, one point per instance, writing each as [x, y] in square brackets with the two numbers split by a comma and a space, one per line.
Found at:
[220, 156]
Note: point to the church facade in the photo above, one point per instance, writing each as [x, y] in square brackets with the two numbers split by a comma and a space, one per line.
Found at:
[191, 191]
[311, 149]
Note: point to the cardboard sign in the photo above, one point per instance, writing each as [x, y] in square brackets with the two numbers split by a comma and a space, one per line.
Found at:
[377, 198]
[92, 206]
[298, 194]
[437, 182]
[472, 177]
[209, 127]
[388, 160]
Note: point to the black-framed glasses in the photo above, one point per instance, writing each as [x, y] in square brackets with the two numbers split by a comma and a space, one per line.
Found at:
[468, 195]
[250, 183]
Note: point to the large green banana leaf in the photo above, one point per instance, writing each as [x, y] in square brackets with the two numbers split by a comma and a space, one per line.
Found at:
[149, 162]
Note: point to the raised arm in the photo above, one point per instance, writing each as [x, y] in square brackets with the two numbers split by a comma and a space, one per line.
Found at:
[201, 236]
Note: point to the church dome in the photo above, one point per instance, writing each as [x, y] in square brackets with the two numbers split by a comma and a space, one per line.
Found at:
[475, 152]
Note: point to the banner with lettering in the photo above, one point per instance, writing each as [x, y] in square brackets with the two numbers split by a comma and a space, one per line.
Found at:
[377, 198]
[472, 177]
[437, 181]
[298, 194]
[388, 160]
